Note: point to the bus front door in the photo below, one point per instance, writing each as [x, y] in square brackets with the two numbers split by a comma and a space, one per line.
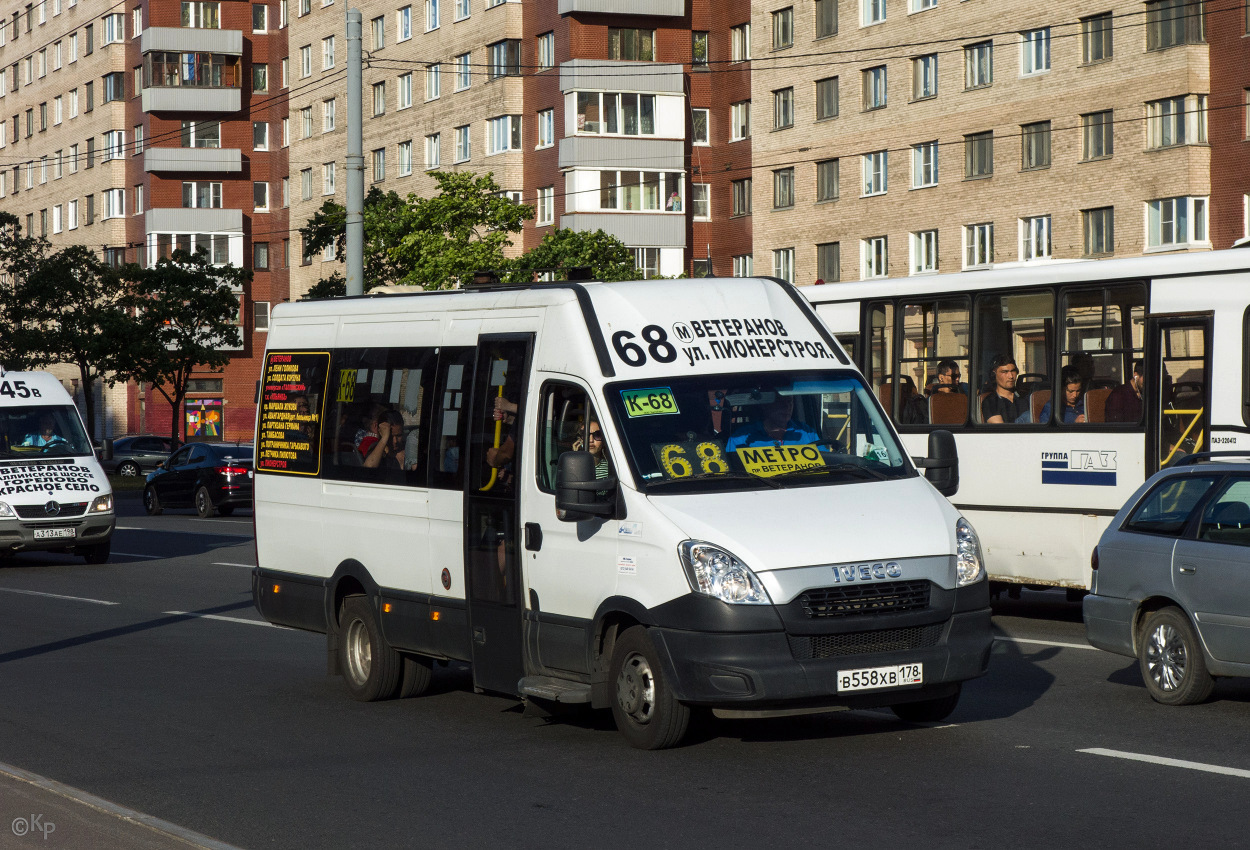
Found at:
[1178, 387]
[492, 561]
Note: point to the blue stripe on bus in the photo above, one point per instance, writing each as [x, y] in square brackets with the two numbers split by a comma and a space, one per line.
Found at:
[1073, 476]
[1054, 464]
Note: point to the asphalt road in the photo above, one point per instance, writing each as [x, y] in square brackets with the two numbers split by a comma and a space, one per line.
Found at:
[151, 683]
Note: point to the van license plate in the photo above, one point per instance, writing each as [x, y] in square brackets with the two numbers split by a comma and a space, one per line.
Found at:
[45, 533]
[880, 677]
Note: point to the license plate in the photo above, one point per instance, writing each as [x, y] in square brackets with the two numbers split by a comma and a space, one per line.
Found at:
[45, 533]
[880, 677]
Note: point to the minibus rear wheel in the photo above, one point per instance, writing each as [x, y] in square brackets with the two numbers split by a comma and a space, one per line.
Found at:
[643, 705]
[371, 667]
[415, 675]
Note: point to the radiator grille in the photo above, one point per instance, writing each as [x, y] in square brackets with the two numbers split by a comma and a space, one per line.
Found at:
[890, 597]
[805, 648]
[37, 511]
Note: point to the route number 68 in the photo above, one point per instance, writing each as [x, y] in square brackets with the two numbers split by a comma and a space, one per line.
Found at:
[678, 462]
[661, 350]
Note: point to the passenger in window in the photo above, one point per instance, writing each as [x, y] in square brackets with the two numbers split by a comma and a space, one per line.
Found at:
[774, 428]
[383, 447]
[916, 411]
[1073, 398]
[594, 445]
[1003, 404]
[1124, 403]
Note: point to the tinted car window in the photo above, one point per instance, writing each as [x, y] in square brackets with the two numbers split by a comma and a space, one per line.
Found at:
[1227, 516]
[199, 454]
[1166, 508]
[233, 452]
[180, 458]
[148, 445]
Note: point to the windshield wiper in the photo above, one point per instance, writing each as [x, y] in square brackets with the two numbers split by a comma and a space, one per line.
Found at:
[853, 468]
[718, 476]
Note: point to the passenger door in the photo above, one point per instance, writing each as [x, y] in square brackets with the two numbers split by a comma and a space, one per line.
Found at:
[186, 474]
[166, 484]
[1211, 572]
[492, 528]
[1177, 387]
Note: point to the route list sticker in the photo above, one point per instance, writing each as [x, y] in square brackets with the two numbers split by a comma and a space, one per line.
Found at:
[290, 414]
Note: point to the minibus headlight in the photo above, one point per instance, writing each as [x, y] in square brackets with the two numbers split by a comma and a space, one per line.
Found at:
[5, 510]
[714, 572]
[967, 553]
[102, 504]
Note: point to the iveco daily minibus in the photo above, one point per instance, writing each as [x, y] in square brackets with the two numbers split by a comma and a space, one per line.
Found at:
[649, 496]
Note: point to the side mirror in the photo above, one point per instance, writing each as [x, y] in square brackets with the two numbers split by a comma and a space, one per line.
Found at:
[942, 465]
[576, 488]
[106, 451]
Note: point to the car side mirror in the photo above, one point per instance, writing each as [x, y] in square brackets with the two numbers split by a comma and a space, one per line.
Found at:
[577, 486]
[106, 450]
[941, 467]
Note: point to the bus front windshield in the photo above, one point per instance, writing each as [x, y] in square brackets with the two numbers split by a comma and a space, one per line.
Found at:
[42, 430]
[711, 433]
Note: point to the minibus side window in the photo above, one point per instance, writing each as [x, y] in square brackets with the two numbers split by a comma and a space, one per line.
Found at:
[1104, 332]
[1013, 330]
[562, 419]
[378, 424]
[449, 428]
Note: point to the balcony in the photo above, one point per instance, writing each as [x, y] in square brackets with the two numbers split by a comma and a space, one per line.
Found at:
[193, 160]
[654, 231]
[178, 220]
[189, 99]
[667, 8]
[599, 74]
[188, 40]
[622, 152]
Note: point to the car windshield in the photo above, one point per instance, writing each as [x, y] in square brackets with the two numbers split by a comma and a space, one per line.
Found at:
[779, 429]
[42, 430]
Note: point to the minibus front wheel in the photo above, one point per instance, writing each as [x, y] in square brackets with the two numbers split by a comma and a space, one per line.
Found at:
[643, 705]
[371, 666]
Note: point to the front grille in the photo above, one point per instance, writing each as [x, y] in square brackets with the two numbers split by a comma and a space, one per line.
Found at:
[890, 597]
[37, 511]
[806, 648]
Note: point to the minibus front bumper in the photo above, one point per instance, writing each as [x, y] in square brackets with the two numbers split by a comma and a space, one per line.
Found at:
[87, 530]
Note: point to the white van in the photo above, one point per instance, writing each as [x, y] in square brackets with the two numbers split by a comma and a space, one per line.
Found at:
[53, 493]
[649, 495]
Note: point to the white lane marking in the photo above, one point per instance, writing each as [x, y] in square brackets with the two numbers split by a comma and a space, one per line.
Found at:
[1046, 643]
[224, 619]
[1188, 765]
[58, 596]
[195, 839]
[228, 564]
[137, 555]
[173, 531]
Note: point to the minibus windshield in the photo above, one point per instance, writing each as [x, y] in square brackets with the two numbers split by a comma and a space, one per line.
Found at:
[776, 429]
[42, 430]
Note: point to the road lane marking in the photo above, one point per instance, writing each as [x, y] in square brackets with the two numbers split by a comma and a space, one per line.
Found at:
[58, 596]
[174, 531]
[243, 620]
[228, 564]
[1167, 762]
[137, 555]
[1045, 643]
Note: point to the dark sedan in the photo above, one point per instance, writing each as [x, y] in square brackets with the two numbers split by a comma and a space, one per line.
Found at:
[213, 478]
[137, 454]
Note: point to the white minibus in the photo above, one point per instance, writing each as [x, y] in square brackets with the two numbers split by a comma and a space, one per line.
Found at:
[651, 496]
[53, 493]
[1120, 368]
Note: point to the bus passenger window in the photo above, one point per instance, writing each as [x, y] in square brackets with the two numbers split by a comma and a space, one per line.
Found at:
[880, 353]
[1016, 337]
[933, 363]
[1104, 335]
[449, 425]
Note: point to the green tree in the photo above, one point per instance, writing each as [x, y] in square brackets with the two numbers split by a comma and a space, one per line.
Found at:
[606, 256]
[334, 286]
[384, 228]
[187, 313]
[20, 257]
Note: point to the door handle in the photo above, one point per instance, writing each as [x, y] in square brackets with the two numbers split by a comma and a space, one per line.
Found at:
[1188, 568]
[533, 536]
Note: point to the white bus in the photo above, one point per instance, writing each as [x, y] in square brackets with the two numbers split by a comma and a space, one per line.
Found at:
[1040, 493]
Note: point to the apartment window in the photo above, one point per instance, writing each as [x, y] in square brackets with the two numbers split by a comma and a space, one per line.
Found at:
[740, 43]
[783, 28]
[924, 252]
[740, 120]
[286, 192]
[742, 265]
[377, 28]
[260, 136]
[464, 77]
[43, 169]
[260, 17]
[924, 165]
[73, 48]
[327, 53]
[631, 43]
[197, 14]
[433, 148]
[827, 180]
[1176, 222]
[114, 86]
[90, 155]
[71, 211]
[114, 144]
[306, 122]
[647, 261]
[827, 98]
[73, 155]
[463, 146]
[978, 245]
[546, 206]
[327, 178]
[282, 14]
[698, 49]
[89, 38]
[1035, 238]
[305, 7]
[305, 61]
[114, 28]
[874, 88]
[979, 155]
[73, 103]
[260, 197]
[783, 264]
[924, 77]
[1035, 145]
[1097, 135]
[699, 127]
[1176, 121]
[921, 5]
[462, 9]
[90, 210]
[829, 262]
[201, 134]
[431, 15]
[876, 172]
[329, 253]
[56, 219]
[826, 18]
[625, 113]
[503, 134]
[403, 94]
[433, 81]
[379, 165]
[1035, 51]
[546, 128]
[1173, 22]
[546, 50]
[701, 201]
[403, 24]
[1096, 38]
[379, 98]
[329, 114]
[505, 58]
[874, 257]
[741, 196]
[306, 184]
[1098, 226]
[783, 188]
[979, 65]
[260, 309]
[56, 109]
[783, 108]
[56, 50]
[405, 158]
[114, 203]
[43, 222]
[260, 78]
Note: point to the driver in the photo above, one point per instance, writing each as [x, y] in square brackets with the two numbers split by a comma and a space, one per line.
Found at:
[46, 434]
[774, 428]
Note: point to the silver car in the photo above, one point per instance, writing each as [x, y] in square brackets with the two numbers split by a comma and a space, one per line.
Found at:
[1172, 578]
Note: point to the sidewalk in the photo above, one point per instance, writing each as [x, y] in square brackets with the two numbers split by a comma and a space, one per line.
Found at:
[40, 812]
